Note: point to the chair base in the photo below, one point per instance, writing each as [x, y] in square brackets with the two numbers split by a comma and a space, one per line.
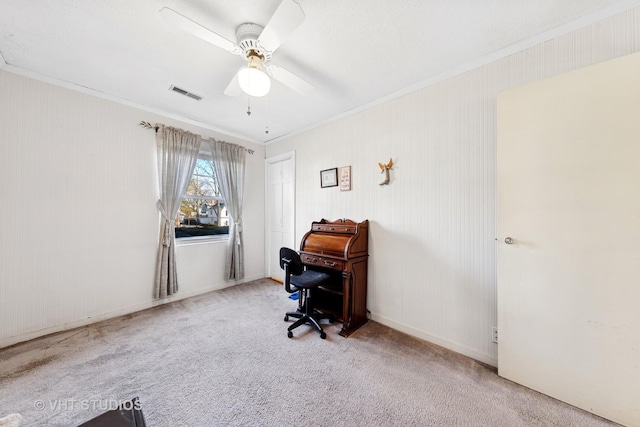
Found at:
[312, 319]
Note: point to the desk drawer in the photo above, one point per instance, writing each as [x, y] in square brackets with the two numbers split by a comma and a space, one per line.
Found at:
[334, 264]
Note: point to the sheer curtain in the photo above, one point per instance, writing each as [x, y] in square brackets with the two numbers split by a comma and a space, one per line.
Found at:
[229, 164]
[177, 154]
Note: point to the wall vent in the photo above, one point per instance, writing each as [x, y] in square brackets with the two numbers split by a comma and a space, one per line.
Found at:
[185, 93]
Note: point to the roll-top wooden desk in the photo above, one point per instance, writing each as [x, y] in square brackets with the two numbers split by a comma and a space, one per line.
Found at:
[340, 248]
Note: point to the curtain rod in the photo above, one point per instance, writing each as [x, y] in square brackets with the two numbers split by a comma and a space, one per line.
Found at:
[150, 126]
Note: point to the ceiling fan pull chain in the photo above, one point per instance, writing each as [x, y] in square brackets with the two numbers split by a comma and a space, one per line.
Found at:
[248, 105]
[266, 130]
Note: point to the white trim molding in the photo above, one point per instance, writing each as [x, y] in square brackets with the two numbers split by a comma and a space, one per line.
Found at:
[442, 342]
[16, 339]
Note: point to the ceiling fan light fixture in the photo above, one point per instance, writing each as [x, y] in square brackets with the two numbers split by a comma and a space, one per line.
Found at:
[252, 80]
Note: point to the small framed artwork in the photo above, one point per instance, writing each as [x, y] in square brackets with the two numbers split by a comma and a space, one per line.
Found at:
[345, 178]
[329, 178]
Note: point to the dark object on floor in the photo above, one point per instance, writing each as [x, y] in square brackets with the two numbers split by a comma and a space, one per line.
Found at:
[129, 414]
[297, 279]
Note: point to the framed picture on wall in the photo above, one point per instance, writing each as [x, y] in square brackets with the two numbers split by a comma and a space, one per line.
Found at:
[329, 178]
[345, 178]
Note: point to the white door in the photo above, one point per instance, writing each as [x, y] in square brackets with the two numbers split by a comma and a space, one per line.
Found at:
[569, 197]
[280, 205]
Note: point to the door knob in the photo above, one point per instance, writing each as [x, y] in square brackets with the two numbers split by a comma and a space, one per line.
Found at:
[508, 240]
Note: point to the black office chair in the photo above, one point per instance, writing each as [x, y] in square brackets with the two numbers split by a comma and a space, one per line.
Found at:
[298, 279]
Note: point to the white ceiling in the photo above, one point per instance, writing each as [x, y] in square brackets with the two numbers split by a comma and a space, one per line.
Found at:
[355, 52]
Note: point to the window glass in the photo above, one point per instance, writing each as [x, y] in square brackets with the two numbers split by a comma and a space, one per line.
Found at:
[202, 212]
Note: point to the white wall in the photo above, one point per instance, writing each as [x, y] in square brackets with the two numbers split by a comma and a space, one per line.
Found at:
[78, 222]
[432, 265]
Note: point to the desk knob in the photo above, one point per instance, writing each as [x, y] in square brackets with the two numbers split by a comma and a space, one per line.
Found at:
[508, 241]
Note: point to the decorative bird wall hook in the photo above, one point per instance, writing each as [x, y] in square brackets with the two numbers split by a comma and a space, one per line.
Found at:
[385, 169]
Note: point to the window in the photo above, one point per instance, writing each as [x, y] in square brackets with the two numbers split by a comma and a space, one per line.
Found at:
[202, 212]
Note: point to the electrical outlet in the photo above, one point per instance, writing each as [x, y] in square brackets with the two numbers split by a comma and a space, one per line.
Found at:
[494, 334]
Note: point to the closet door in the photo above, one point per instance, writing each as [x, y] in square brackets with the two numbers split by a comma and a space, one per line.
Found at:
[569, 238]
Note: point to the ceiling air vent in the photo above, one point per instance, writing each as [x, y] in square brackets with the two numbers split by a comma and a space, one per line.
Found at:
[185, 93]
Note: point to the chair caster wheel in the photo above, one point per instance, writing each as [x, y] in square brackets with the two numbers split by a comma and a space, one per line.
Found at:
[286, 318]
[323, 335]
[290, 334]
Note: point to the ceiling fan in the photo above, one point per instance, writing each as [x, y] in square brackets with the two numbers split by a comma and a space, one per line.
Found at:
[255, 44]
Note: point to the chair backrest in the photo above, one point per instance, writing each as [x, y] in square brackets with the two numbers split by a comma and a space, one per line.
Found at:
[291, 263]
[290, 258]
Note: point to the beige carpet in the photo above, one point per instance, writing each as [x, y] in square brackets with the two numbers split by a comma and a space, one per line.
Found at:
[224, 359]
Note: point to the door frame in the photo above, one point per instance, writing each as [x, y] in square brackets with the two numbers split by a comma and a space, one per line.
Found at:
[291, 155]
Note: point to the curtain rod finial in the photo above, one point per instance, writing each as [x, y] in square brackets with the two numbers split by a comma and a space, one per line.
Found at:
[148, 125]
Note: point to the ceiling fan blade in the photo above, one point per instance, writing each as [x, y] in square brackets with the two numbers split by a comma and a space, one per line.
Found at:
[289, 79]
[174, 18]
[287, 17]
[233, 88]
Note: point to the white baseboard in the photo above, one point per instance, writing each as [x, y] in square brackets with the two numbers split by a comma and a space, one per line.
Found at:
[489, 360]
[6, 342]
